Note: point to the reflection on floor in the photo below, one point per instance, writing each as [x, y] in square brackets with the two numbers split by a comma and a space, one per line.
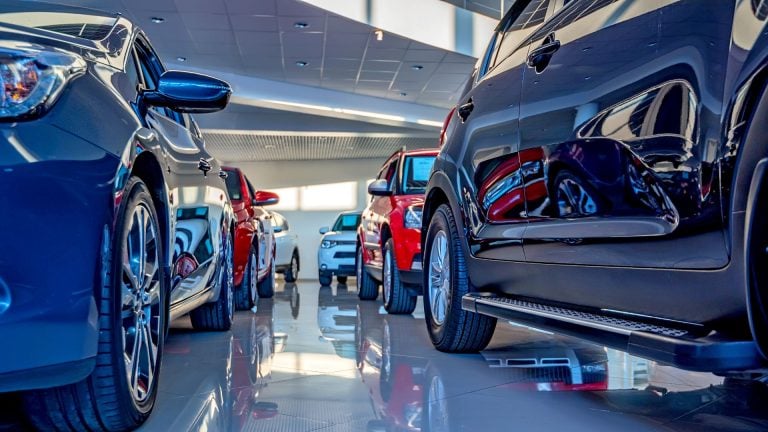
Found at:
[318, 359]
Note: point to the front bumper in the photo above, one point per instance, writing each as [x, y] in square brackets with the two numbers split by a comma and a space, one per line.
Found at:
[56, 216]
[337, 261]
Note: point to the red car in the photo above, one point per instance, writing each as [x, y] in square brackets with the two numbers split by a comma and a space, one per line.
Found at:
[254, 260]
[389, 236]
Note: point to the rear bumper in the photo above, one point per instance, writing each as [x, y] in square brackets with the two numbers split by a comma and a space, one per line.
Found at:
[55, 222]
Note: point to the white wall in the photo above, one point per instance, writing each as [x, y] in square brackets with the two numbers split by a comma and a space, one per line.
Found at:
[273, 175]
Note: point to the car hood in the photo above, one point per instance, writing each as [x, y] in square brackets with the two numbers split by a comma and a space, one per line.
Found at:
[340, 235]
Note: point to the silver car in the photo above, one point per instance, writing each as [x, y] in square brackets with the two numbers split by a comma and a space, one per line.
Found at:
[336, 255]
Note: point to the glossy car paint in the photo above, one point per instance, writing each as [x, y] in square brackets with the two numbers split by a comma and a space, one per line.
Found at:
[340, 259]
[62, 178]
[384, 218]
[254, 227]
[286, 242]
[653, 131]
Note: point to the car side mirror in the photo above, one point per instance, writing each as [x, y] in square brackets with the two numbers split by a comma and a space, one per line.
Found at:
[265, 198]
[379, 188]
[188, 92]
[277, 229]
[324, 230]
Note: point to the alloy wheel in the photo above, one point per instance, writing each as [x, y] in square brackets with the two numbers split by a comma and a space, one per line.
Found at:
[254, 272]
[230, 279]
[294, 267]
[439, 278]
[573, 200]
[141, 302]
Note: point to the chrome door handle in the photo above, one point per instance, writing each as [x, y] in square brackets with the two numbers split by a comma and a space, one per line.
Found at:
[539, 58]
[465, 110]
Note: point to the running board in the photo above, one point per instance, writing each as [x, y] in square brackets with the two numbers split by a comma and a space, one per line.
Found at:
[673, 346]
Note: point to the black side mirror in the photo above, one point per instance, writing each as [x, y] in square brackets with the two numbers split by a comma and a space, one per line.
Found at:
[189, 92]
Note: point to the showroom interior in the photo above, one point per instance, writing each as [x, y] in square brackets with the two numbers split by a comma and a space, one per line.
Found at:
[324, 99]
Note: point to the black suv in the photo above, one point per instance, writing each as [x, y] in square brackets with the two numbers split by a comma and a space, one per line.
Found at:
[602, 176]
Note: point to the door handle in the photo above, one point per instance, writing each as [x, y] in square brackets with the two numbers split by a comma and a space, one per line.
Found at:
[223, 175]
[539, 58]
[204, 166]
[465, 110]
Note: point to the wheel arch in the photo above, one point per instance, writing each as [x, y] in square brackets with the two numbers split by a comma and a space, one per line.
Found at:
[147, 168]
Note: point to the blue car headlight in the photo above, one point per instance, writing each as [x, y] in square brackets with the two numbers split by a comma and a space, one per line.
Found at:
[327, 244]
[413, 217]
[32, 78]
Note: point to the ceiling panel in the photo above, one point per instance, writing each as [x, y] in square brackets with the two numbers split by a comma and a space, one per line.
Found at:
[264, 147]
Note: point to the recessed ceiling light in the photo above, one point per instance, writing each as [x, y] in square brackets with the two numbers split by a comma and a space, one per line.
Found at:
[417, 67]
[379, 35]
[300, 25]
[181, 59]
[301, 63]
[158, 20]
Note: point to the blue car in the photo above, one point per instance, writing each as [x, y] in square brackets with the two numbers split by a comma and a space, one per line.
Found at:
[115, 220]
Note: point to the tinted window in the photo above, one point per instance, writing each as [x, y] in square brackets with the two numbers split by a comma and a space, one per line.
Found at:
[574, 11]
[347, 222]
[233, 186]
[522, 22]
[416, 170]
[128, 83]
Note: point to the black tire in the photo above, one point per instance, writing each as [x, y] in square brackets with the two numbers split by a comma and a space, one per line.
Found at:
[397, 299]
[460, 330]
[218, 316]
[325, 280]
[341, 279]
[104, 400]
[245, 294]
[266, 287]
[367, 287]
[292, 272]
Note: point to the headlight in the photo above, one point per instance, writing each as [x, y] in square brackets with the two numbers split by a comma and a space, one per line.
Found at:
[32, 78]
[413, 217]
[327, 244]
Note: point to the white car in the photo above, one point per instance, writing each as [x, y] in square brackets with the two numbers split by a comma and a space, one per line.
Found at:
[337, 249]
[286, 248]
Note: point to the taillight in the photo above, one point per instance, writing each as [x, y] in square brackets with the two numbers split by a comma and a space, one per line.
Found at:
[445, 125]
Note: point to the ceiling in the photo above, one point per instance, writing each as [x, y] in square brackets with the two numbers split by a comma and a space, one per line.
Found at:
[297, 63]
[491, 8]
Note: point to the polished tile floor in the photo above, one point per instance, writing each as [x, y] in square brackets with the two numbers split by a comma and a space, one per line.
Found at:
[316, 358]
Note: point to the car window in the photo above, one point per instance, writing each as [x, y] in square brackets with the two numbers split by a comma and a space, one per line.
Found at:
[128, 83]
[524, 18]
[573, 11]
[151, 70]
[490, 52]
[347, 222]
[251, 189]
[416, 171]
[233, 186]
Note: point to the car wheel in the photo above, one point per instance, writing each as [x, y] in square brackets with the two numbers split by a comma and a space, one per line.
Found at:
[218, 315]
[132, 301]
[341, 279]
[292, 272]
[367, 288]
[325, 280]
[397, 299]
[451, 328]
[574, 198]
[266, 288]
[246, 293]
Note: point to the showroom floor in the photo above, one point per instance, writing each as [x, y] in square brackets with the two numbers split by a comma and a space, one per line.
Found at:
[318, 359]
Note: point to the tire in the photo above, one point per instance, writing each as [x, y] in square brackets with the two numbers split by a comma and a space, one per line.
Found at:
[397, 299]
[246, 293]
[325, 280]
[266, 287]
[367, 288]
[292, 272]
[106, 401]
[218, 316]
[453, 329]
[341, 279]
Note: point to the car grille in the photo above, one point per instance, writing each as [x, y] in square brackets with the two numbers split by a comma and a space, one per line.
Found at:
[344, 255]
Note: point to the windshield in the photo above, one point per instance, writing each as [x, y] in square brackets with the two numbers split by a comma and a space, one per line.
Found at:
[347, 222]
[233, 186]
[416, 174]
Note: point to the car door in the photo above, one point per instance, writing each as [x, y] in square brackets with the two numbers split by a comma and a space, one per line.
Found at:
[487, 124]
[267, 239]
[610, 113]
[195, 190]
[377, 213]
